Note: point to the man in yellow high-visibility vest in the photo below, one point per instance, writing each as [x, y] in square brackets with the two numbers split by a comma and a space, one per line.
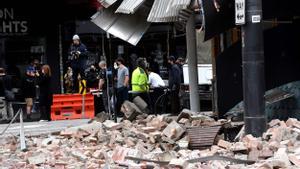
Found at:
[139, 80]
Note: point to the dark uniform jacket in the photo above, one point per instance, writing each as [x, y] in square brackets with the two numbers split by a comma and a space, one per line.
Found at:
[174, 77]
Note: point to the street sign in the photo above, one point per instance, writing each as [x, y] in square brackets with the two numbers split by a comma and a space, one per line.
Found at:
[240, 12]
[256, 18]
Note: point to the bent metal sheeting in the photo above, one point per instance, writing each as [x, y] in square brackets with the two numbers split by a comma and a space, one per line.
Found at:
[166, 10]
[129, 6]
[107, 3]
[116, 21]
[129, 28]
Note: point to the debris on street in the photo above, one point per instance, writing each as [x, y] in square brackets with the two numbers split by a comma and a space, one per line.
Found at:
[157, 141]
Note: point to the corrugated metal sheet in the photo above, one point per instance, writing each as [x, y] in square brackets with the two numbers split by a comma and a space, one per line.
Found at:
[166, 10]
[129, 28]
[107, 3]
[129, 6]
[202, 137]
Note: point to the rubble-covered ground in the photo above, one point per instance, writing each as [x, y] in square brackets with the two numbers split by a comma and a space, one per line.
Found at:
[154, 142]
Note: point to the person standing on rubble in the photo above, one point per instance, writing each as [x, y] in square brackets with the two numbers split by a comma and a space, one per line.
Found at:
[45, 93]
[174, 85]
[76, 56]
[122, 84]
[139, 81]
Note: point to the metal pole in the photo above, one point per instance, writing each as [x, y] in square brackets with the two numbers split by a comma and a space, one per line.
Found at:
[61, 67]
[215, 52]
[253, 69]
[192, 62]
[12, 120]
[112, 78]
[83, 106]
[22, 135]
[106, 78]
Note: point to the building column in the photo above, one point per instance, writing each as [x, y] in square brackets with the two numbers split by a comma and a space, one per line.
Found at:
[192, 63]
[253, 69]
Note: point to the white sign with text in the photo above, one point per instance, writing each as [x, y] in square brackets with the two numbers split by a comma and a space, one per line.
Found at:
[240, 12]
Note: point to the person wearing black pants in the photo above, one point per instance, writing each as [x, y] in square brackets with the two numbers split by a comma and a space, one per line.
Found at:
[174, 85]
[45, 93]
[122, 84]
[76, 58]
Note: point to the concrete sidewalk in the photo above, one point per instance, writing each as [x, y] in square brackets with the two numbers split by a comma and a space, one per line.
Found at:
[40, 128]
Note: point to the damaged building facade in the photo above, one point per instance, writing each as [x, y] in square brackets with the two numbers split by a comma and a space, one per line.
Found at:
[192, 139]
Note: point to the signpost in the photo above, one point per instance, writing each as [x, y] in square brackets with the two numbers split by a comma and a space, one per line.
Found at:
[239, 12]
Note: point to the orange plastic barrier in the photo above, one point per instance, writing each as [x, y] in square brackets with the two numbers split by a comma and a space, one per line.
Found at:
[69, 106]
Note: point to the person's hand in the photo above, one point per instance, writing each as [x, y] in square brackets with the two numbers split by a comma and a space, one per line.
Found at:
[37, 74]
[78, 52]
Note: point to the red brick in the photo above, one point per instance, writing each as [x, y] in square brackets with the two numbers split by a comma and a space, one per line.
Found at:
[178, 163]
[248, 138]
[297, 125]
[149, 129]
[281, 155]
[224, 144]
[266, 153]
[173, 130]
[274, 122]
[295, 160]
[291, 121]
[253, 155]
[238, 146]
[119, 153]
[274, 145]
[283, 124]
[184, 121]
[112, 125]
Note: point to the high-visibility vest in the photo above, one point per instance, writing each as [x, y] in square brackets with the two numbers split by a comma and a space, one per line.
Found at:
[139, 80]
[82, 86]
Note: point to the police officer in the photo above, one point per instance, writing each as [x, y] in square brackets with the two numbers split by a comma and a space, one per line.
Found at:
[103, 85]
[76, 58]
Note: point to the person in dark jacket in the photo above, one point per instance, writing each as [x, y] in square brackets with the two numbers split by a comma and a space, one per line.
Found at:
[92, 77]
[104, 86]
[45, 93]
[180, 62]
[174, 85]
[29, 86]
[76, 58]
[5, 85]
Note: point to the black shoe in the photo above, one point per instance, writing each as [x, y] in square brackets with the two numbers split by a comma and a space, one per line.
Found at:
[28, 118]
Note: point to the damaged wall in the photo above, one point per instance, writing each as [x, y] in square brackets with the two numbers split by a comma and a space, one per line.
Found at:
[282, 64]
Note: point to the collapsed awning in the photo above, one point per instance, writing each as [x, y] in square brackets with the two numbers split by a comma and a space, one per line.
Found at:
[115, 18]
[129, 6]
[129, 28]
[167, 11]
[107, 3]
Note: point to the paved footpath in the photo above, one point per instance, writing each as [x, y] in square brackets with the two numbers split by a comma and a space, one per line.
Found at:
[39, 128]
